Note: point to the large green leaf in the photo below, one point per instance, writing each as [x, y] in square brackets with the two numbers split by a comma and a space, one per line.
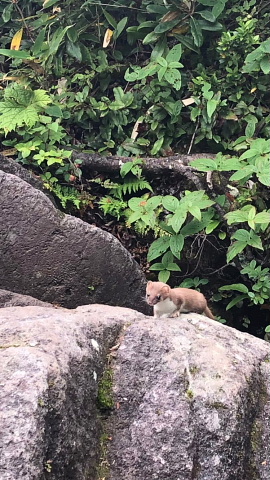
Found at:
[236, 248]
[173, 77]
[176, 245]
[177, 220]
[15, 53]
[236, 300]
[196, 32]
[164, 276]
[174, 54]
[239, 287]
[170, 203]
[207, 15]
[158, 247]
[204, 164]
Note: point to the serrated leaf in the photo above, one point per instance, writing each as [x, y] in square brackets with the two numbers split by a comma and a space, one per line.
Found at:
[134, 217]
[153, 202]
[167, 258]
[236, 248]
[251, 213]
[173, 267]
[170, 203]
[157, 267]
[239, 287]
[195, 226]
[238, 216]
[158, 247]
[204, 164]
[21, 106]
[244, 172]
[177, 220]
[262, 217]
[176, 245]
[212, 226]
[255, 241]
[264, 178]
[196, 212]
[164, 276]
[236, 300]
[241, 235]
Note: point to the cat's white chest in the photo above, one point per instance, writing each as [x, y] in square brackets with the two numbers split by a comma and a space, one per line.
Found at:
[164, 308]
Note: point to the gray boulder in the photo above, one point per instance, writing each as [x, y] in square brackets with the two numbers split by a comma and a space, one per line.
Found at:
[191, 397]
[11, 299]
[193, 403]
[9, 165]
[61, 259]
[51, 361]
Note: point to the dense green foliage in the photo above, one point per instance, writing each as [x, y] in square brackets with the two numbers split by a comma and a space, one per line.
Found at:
[151, 78]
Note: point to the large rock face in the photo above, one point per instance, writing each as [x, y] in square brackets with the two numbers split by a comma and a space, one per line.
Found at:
[193, 402]
[192, 397]
[58, 258]
[51, 361]
[9, 165]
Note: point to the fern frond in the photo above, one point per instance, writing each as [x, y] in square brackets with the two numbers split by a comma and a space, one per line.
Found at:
[67, 194]
[132, 185]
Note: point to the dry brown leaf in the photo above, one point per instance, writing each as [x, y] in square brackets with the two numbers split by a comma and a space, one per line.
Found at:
[188, 101]
[14, 79]
[107, 37]
[135, 131]
[168, 17]
[9, 152]
[115, 347]
[16, 40]
[180, 30]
